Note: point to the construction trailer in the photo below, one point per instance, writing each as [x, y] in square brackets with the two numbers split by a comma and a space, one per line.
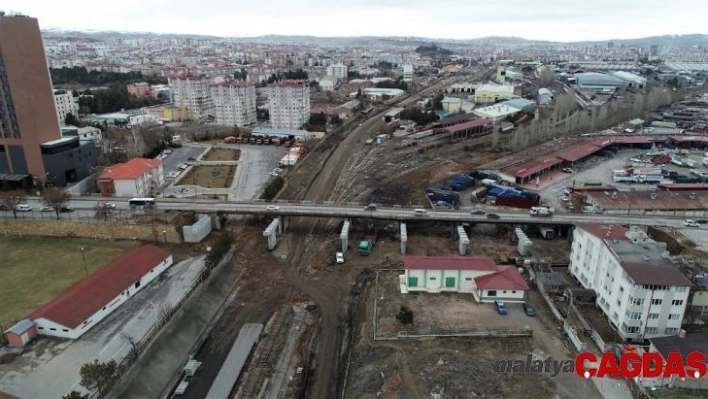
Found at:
[365, 247]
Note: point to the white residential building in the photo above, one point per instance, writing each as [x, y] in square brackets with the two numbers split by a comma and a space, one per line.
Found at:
[341, 71]
[642, 294]
[408, 72]
[289, 104]
[193, 92]
[234, 103]
[139, 177]
[65, 104]
[328, 83]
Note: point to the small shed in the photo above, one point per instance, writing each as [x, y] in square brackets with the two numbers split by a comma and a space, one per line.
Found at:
[21, 333]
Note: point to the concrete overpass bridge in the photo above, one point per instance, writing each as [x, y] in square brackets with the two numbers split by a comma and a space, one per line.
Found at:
[282, 212]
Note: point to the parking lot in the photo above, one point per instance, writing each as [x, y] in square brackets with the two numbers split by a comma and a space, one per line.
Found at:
[254, 169]
[49, 368]
[179, 156]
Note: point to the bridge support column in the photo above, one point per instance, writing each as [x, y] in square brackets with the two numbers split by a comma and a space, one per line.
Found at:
[524, 242]
[216, 221]
[464, 240]
[404, 238]
[344, 235]
[282, 224]
[271, 233]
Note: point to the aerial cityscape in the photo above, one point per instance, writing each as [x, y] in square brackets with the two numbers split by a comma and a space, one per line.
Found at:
[289, 208]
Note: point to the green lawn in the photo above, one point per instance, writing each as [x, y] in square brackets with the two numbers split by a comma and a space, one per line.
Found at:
[207, 176]
[222, 154]
[35, 270]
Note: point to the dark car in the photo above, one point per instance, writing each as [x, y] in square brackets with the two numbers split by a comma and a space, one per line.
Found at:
[501, 307]
[701, 221]
[4, 208]
[563, 313]
[529, 310]
[371, 207]
[191, 159]
[493, 216]
[66, 209]
[478, 212]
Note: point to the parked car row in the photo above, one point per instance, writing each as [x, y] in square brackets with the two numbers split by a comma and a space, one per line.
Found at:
[503, 310]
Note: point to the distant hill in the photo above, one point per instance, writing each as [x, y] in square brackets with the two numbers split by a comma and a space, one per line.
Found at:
[433, 51]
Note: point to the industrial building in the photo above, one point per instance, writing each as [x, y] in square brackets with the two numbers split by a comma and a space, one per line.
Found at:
[522, 104]
[663, 202]
[486, 94]
[598, 82]
[392, 115]
[376, 93]
[633, 81]
[84, 305]
[545, 96]
[451, 104]
[301, 135]
[496, 112]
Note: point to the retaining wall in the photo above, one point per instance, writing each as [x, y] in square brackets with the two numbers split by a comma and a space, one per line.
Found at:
[143, 232]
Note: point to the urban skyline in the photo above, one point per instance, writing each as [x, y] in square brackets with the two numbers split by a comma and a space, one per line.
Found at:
[549, 20]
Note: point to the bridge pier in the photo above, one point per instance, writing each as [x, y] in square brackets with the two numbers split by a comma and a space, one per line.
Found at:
[404, 238]
[271, 233]
[464, 240]
[344, 235]
[524, 242]
[282, 224]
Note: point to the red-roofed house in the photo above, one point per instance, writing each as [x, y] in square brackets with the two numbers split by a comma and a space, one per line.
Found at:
[90, 300]
[139, 177]
[477, 275]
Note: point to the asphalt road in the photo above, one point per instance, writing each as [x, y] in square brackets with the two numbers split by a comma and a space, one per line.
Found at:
[84, 208]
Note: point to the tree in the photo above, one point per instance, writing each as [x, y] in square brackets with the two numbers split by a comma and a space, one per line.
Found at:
[235, 131]
[97, 375]
[74, 395]
[546, 76]
[71, 119]
[56, 198]
[10, 200]
[404, 316]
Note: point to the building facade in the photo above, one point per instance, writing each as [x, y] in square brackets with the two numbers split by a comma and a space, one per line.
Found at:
[234, 103]
[642, 294]
[139, 177]
[28, 116]
[194, 93]
[339, 70]
[289, 104]
[328, 83]
[408, 73]
[65, 104]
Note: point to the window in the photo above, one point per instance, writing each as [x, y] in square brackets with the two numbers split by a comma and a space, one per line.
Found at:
[513, 292]
[53, 329]
[449, 282]
[674, 316]
[636, 301]
[653, 316]
[65, 330]
[621, 289]
[137, 284]
[656, 301]
[468, 278]
[433, 278]
[671, 331]
[652, 330]
[634, 315]
[680, 289]
[632, 330]
[412, 281]
[491, 293]
[677, 302]
[104, 308]
[615, 316]
[41, 328]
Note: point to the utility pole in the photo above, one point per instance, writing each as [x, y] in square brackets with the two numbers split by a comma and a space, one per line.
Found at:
[83, 255]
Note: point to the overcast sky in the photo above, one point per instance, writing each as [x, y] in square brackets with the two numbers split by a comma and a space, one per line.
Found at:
[557, 20]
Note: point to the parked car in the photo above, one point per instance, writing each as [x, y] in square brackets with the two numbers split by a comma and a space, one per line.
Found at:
[567, 170]
[371, 207]
[23, 208]
[4, 208]
[272, 208]
[565, 198]
[46, 209]
[340, 257]
[478, 212]
[191, 159]
[691, 223]
[529, 310]
[109, 205]
[701, 221]
[501, 307]
[493, 216]
[66, 209]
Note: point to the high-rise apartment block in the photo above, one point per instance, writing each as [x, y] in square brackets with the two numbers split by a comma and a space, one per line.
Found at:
[32, 150]
[289, 103]
[234, 103]
[408, 72]
[339, 70]
[65, 104]
[192, 92]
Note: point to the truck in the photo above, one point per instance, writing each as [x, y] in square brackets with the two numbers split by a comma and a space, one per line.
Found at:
[541, 211]
[365, 247]
[623, 179]
[647, 179]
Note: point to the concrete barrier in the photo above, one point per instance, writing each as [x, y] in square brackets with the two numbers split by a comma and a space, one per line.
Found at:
[142, 232]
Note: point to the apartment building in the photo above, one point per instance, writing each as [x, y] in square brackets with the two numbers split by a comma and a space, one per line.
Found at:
[234, 103]
[65, 104]
[194, 93]
[139, 177]
[408, 72]
[340, 70]
[289, 104]
[640, 291]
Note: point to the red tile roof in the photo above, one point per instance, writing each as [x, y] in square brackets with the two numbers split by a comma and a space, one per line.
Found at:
[605, 232]
[631, 140]
[132, 169]
[467, 125]
[578, 152]
[686, 139]
[481, 263]
[507, 278]
[531, 168]
[85, 298]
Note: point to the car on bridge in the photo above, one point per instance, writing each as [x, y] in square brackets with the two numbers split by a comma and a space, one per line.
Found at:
[339, 257]
[493, 216]
[272, 208]
[371, 207]
[691, 223]
[477, 212]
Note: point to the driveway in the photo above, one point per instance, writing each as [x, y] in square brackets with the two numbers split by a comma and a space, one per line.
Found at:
[50, 367]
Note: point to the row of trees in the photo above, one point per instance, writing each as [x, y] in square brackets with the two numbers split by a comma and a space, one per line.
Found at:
[419, 116]
[113, 99]
[80, 75]
[273, 188]
[54, 197]
[219, 250]
[393, 84]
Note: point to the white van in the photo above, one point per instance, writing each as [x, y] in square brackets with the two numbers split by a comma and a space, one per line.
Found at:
[420, 212]
[23, 208]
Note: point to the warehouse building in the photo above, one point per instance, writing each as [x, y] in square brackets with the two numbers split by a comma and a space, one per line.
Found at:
[545, 96]
[598, 82]
[91, 300]
[633, 81]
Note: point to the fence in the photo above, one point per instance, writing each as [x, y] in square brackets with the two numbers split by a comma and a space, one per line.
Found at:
[85, 216]
[166, 314]
[474, 332]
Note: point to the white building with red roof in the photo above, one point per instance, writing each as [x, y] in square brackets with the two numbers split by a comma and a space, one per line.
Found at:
[477, 275]
[92, 299]
[139, 177]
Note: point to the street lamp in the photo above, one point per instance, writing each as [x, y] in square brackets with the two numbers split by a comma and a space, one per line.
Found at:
[83, 255]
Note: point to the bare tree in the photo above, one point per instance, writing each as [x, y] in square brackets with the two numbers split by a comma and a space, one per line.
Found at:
[56, 198]
[10, 199]
[134, 347]
[546, 76]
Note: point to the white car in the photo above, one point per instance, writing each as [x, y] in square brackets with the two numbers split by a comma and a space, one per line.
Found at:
[109, 205]
[567, 170]
[565, 199]
[691, 223]
[272, 208]
[340, 257]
